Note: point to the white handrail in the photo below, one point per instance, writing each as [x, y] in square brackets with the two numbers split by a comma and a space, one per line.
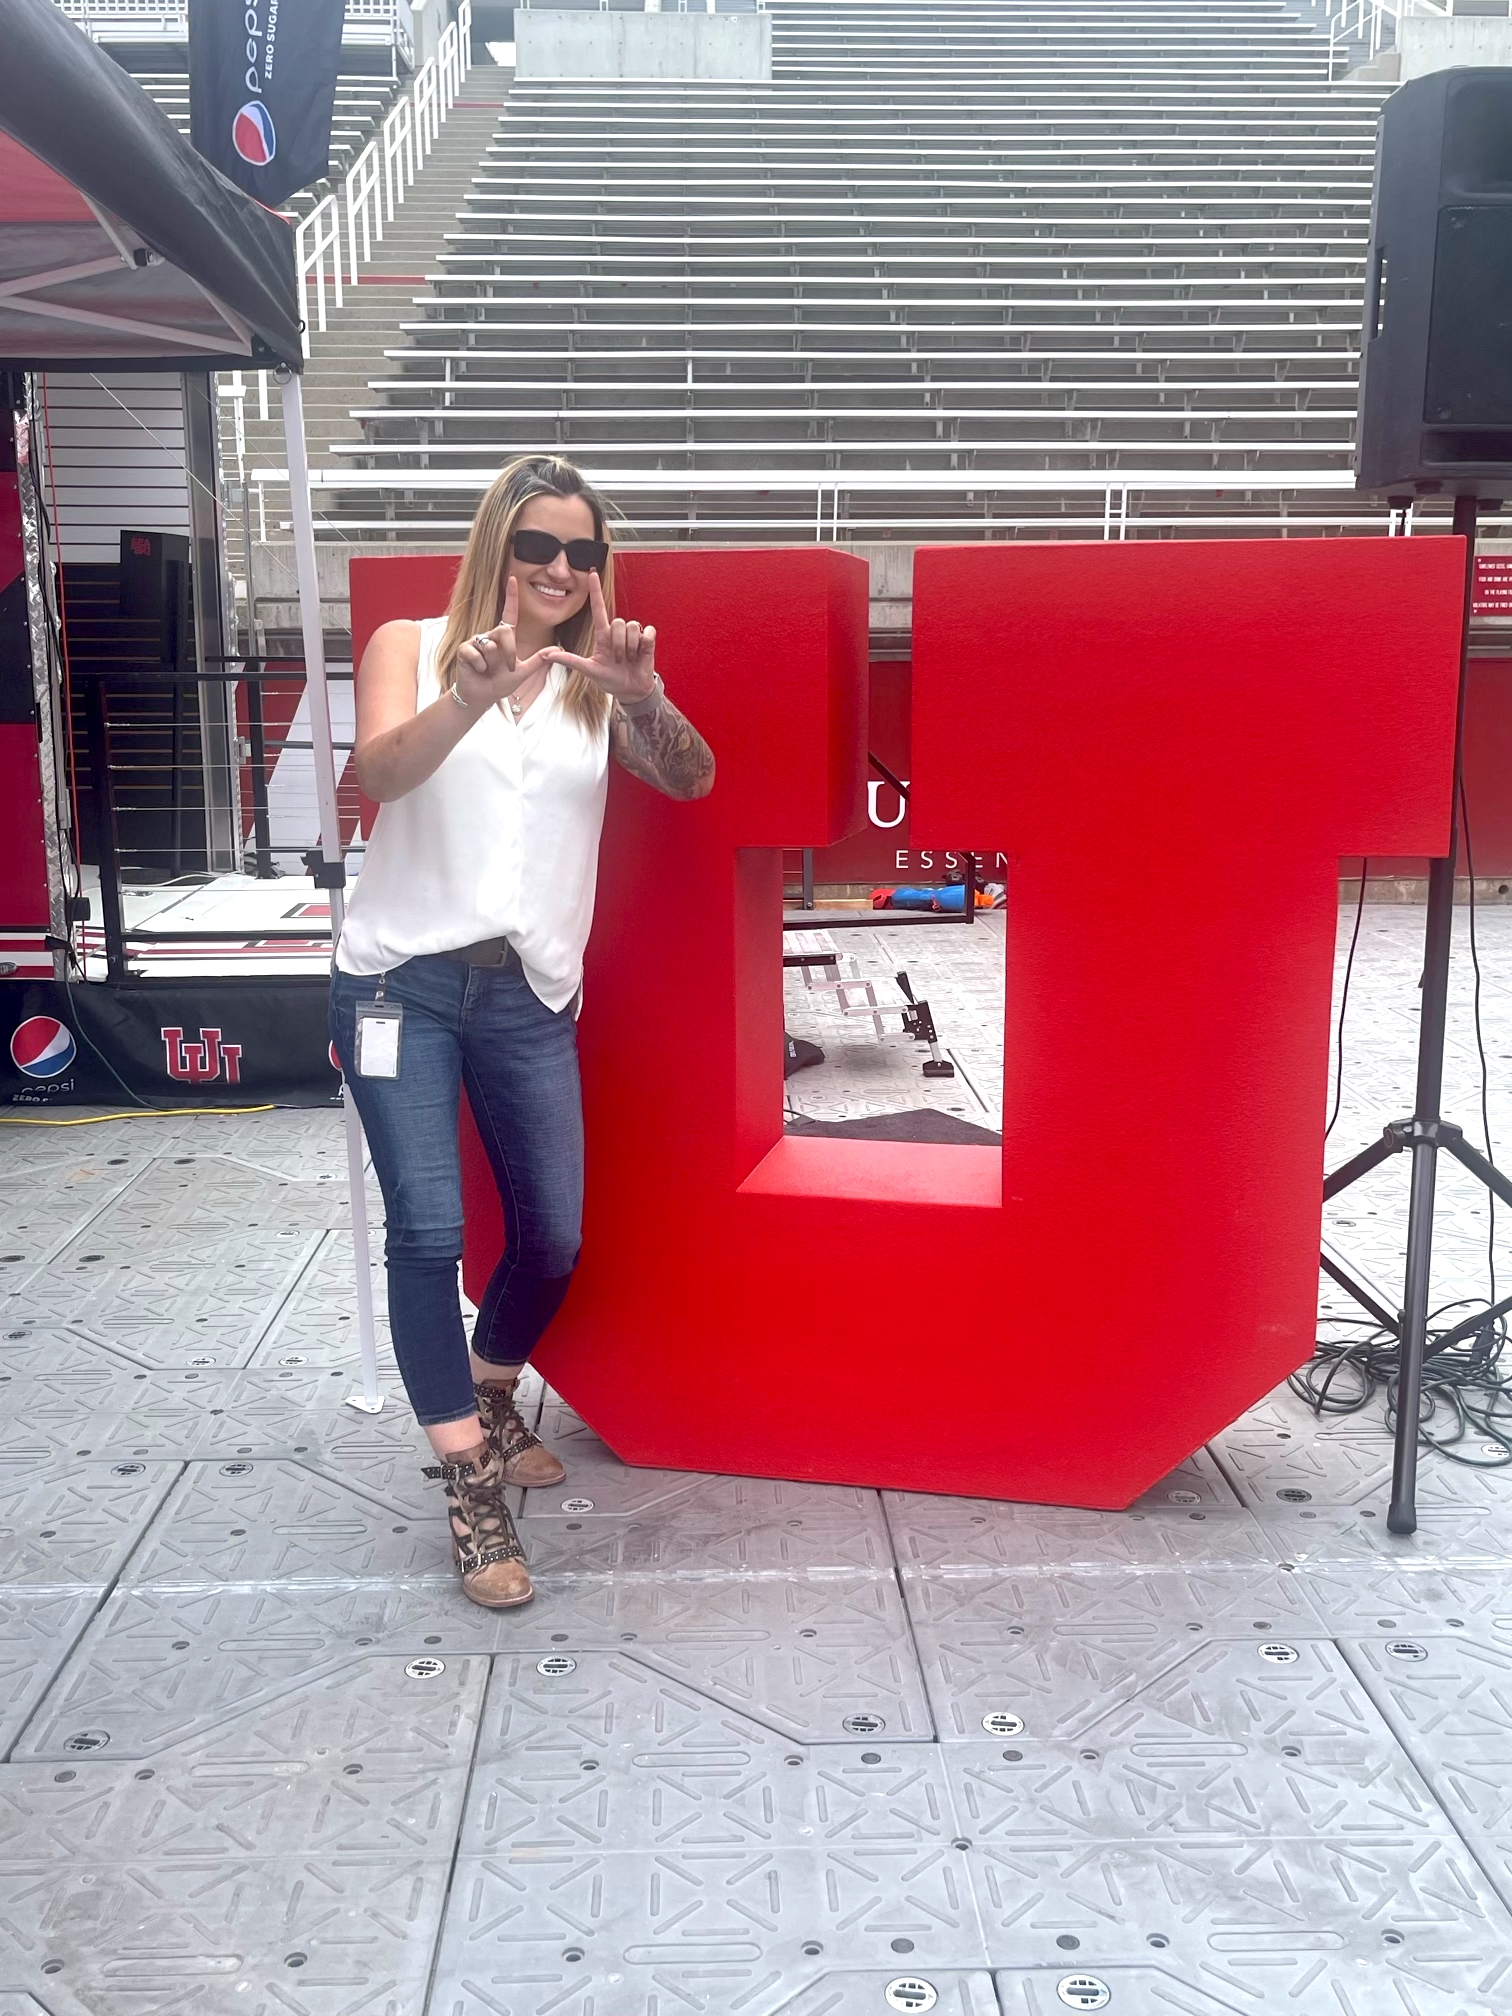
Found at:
[364, 206]
[378, 180]
[1366, 20]
[427, 103]
[317, 248]
[396, 136]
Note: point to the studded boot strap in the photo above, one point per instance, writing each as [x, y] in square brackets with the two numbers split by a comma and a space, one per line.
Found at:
[502, 1422]
[482, 1527]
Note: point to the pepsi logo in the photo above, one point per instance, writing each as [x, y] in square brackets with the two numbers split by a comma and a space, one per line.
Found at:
[42, 1047]
[252, 134]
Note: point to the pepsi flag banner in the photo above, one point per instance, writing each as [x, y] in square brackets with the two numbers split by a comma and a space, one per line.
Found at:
[262, 81]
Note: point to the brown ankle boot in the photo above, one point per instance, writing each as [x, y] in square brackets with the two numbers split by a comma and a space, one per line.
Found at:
[484, 1539]
[525, 1457]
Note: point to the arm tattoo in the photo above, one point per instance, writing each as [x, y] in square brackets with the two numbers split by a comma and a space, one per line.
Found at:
[666, 751]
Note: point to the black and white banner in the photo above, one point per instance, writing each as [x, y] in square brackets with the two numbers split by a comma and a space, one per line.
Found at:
[262, 81]
[190, 1043]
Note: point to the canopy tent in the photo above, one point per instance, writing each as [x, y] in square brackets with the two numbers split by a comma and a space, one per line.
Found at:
[122, 247]
[118, 243]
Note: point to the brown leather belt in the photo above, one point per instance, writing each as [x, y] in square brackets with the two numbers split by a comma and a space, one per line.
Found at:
[486, 952]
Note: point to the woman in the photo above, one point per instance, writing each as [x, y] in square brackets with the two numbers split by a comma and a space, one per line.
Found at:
[485, 736]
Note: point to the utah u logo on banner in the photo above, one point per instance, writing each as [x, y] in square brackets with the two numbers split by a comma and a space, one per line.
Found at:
[200, 1063]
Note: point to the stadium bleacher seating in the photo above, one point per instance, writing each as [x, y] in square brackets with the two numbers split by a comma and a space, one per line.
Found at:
[979, 266]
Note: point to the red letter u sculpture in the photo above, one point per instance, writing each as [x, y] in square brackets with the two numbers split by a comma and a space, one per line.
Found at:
[1173, 745]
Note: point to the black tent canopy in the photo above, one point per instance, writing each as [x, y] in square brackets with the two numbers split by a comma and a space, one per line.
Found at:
[118, 243]
[121, 247]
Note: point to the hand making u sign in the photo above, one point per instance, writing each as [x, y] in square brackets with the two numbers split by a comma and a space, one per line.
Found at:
[624, 654]
[488, 668]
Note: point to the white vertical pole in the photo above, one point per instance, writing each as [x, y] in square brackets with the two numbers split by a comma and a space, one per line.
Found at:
[369, 1399]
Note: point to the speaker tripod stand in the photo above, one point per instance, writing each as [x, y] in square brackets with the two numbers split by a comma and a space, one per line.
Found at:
[1426, 1134]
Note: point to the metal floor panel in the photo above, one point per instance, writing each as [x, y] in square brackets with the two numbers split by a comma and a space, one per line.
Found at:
[42, 1209]
[979, 1533]
[1449, 1699]
[756, 1749]
[171, 1296]
[317, 1325]
[1065, 1656]
[74, 1525]
[1446, 1537]
[1313, 1926]
[1279, 1454]
[219, 1194]
[306, 1936]
[38, 1630]
[805, 1658]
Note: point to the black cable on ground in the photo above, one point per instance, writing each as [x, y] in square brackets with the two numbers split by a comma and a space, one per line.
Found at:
[1467, 1390]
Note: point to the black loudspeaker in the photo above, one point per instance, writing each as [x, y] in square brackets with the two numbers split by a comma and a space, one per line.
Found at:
[1436, 369]
[156, 589]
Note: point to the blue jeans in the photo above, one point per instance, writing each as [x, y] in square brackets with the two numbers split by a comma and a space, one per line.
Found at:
[481, 1026]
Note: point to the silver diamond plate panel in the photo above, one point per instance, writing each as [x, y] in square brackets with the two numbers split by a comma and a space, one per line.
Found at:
[317, 1325]
[104, 1410]
[38, 1630]
[1316, 1926]
[72, 1525]
[1449, 1699]
[979, 1533]
[1197, 1482]
[216, 1195]
[1280, 1454]
[616, 1757]
[607, 1518]
[242, 1520]
[800, 1656]
[310, 1936]
[691, 1929]
[1348, 1536]
[305, 1141]
[1355, 1597]
[41, 1210]
[1158, 1989]
[1066, 1652]
[168, 1296]
[594, 1471]
[857, 1993]
[360, 1762]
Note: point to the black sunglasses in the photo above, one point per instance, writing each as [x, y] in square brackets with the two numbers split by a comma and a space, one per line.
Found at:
[539, 549]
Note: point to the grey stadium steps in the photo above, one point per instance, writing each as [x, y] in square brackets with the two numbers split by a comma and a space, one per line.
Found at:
[1003, 245]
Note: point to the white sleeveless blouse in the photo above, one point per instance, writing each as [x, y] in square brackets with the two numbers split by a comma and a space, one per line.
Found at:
[501, 841]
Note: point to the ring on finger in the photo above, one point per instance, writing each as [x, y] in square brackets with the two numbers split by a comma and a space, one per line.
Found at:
[480, 643]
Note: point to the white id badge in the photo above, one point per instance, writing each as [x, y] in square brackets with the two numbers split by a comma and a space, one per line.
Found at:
[379, 1025]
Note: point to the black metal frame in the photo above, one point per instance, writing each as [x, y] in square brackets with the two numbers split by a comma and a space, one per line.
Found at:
[1426, 1132]
[252, 671]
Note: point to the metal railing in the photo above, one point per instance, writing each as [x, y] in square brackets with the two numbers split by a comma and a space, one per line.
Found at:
[317, 251]
[143, 761]
[1374, 22]
[368, 22]
[379, 179]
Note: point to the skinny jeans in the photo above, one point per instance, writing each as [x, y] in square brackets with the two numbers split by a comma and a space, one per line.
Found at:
[483, 1027]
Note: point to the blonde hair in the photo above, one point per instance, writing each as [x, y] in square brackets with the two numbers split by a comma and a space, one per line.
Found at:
[477, 600]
